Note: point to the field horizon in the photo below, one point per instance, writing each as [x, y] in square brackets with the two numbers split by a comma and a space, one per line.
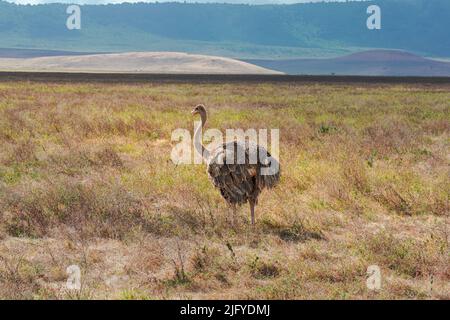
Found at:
[375, 62]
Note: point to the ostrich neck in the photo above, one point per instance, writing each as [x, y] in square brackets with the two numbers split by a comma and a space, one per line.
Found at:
[198, 143]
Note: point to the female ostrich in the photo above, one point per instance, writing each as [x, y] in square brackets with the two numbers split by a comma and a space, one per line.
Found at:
[238, 181]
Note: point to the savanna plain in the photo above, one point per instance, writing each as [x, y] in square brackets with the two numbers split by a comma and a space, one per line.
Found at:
[86, 179]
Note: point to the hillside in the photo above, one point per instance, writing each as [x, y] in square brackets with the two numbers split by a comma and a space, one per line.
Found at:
[148, 62]
[373, 62]
[239, 31]
[34, 53]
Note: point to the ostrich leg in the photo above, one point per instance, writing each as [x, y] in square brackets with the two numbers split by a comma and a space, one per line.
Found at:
[252, 211]
[234, 209]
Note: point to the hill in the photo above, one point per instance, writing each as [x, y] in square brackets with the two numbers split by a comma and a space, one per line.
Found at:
[34, 53]
[373, 62]
[240, 31]
[148, 62]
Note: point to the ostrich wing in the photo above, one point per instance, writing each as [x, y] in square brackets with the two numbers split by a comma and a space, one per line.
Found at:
[240, 181]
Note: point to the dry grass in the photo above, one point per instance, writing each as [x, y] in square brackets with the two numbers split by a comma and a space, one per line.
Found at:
[86, 179]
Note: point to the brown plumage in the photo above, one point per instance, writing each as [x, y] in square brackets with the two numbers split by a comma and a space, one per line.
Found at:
[238, 181]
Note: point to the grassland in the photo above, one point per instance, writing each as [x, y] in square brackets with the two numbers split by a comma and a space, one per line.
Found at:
[86, 179]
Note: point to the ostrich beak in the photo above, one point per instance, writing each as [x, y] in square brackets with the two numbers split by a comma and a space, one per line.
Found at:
[194, 112]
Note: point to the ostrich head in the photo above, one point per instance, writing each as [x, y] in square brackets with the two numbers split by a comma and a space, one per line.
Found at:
[200, 109]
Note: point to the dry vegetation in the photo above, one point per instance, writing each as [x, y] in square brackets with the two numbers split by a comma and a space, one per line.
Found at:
[85, 178]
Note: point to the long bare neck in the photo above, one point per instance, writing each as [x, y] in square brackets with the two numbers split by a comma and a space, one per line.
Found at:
[198, 143]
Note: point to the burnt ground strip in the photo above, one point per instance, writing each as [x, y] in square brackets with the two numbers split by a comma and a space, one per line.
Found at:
[210, 78]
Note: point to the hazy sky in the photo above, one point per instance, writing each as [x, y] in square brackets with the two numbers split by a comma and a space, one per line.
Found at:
[120, 1]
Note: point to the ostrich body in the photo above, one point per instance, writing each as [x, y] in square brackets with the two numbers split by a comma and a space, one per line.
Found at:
[241, 181]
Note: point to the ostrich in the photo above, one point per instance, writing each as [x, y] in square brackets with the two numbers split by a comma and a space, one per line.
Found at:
[238, 181]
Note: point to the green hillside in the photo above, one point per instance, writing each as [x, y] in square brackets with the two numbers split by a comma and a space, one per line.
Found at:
[244, 31]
